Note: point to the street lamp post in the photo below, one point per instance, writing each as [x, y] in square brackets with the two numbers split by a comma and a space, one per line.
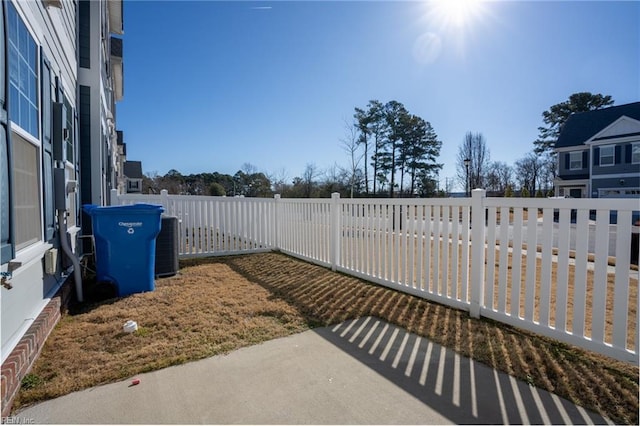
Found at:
[467, 184]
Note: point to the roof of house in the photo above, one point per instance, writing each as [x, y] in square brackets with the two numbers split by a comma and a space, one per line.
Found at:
[133, 169]
[580, 127]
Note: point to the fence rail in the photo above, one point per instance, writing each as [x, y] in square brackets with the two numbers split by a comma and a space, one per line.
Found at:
[557, 267]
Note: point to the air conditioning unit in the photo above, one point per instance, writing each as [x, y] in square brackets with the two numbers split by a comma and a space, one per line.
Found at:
[167, 248]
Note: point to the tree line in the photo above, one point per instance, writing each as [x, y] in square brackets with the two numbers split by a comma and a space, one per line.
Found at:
[393, 153]
[249, 182]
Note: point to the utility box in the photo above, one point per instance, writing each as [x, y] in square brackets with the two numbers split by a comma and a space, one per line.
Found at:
[167, 247]
[125, 245]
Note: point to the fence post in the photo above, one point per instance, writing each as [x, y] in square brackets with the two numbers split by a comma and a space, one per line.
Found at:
[477, 251]
[335, 230]
[165, 201]
[276, 221]
[113, 199]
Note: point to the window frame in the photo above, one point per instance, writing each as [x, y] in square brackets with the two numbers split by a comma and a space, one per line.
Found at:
[17, 131]
[572, 160]
[612, 155]
[35, 67]
[22, 134]
[69, 141]
[635, 151]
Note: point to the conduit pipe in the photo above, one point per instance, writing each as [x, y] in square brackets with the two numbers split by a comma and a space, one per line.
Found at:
[77, 273]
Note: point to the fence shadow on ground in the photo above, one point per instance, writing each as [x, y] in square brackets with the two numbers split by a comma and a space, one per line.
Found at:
[324, 297]
[463, 390]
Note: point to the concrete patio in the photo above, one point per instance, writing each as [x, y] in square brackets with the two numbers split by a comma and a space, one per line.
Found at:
[364, 371]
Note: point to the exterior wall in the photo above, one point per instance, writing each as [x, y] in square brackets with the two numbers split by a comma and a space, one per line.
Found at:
[564, 171]
[99, 150]
[628, 183]
[82, 133]
[622, 157]
[53, 30]
[21, 359]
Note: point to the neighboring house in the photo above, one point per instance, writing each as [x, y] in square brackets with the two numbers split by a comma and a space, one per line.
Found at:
[60, 77]
[121, 159]
[133, 177]
[599, 154]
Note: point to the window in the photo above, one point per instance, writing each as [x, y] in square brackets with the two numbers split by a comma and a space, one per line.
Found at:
[23, 74]
[26, 190]
[133, 185]
[575, 160]
[607, 155]
[24, 113]
[635, 153]
[70, 134]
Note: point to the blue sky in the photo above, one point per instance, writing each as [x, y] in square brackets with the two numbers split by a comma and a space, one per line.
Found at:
[210, 85]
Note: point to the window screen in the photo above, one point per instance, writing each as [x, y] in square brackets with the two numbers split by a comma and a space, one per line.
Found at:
[26, 190]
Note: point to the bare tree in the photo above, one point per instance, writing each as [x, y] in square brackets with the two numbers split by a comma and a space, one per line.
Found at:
[528, 171]
[279, 181]
[249, 168]
[308, 179]
[474, 149]
[498, 177]
[350, 144]
[549, 172]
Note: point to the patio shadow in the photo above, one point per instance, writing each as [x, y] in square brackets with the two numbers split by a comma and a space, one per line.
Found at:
[463, 390]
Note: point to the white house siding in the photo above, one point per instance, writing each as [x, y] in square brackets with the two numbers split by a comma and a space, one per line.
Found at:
[54, 32]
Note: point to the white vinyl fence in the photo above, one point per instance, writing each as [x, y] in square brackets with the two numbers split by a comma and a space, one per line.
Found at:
[557, 267]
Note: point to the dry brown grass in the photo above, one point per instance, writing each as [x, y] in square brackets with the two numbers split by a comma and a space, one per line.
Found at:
[219, 304]
[208, 309]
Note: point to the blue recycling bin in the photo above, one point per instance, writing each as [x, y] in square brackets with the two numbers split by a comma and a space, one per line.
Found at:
[125, 245]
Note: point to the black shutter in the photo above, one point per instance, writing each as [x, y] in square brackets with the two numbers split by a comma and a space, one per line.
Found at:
[627, 153]
[596, 156]
[617, 154]
[585, 159]
[84, 34]
[6, 212]
[47, 152]
[567, 161]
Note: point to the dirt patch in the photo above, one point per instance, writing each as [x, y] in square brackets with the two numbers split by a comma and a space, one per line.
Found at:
[217, 305]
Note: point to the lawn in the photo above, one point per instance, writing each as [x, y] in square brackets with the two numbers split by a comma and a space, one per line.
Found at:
[217, 305]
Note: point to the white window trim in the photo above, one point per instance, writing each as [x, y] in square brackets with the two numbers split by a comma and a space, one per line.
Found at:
[613, 156]
[30, 254]
[28, 137]
[37, 248]
[571, 161]
[36, 36]
[634, 145]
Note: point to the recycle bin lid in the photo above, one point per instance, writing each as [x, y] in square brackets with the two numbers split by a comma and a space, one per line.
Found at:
[93, 209]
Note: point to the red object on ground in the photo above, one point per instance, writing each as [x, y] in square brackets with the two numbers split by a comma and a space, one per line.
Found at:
[135, 382]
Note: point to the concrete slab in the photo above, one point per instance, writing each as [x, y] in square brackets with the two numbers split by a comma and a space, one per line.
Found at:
[364, 371]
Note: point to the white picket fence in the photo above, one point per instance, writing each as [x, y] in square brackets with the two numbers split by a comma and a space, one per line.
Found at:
[546, 270]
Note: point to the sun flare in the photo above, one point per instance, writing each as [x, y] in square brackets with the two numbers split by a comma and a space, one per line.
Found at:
[457, 12]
